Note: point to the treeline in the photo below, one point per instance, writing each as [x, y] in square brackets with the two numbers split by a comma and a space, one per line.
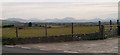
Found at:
[30, 24]
[5, 26]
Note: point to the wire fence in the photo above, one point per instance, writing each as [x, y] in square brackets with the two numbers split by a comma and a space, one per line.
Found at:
[55, 30]
[48, 31]
[58, 33]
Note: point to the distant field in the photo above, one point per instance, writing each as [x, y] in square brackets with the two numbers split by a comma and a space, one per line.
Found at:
[40, 31]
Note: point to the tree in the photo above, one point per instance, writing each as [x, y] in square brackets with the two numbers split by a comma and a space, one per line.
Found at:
[30, 24]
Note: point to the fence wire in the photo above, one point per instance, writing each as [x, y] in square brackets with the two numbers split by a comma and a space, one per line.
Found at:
[49, 30]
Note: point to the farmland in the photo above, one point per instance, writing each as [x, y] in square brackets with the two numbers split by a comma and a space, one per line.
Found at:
[40, 31]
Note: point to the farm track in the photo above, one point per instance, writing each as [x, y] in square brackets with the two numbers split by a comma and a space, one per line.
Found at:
[96, 46]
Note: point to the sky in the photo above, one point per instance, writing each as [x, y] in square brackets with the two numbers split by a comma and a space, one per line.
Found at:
[50, 9]
[59, 0]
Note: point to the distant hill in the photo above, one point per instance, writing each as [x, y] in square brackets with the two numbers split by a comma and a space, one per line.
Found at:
[6, 22]
[16, 19]
[66, 19]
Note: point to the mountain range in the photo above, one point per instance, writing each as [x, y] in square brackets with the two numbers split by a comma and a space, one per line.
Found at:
[66, 19]
[56, 20]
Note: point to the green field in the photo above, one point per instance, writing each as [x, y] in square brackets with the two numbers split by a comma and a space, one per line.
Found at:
[40, 31]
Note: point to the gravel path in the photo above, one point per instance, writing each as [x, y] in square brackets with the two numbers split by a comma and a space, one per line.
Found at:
[95, 46]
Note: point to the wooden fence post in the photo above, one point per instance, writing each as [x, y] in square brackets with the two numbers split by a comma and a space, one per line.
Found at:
[72, 30]
[17, 32]
[99, 25]
[110, 25]
[46, 30]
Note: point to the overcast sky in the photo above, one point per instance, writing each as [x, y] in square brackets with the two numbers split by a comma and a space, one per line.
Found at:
[60, 0]
[46, 9]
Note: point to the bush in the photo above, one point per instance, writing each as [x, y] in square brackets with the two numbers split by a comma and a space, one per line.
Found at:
[20, 28]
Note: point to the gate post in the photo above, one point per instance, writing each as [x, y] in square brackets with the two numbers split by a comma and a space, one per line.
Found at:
[118, 27]
[118, 30]
[101, 32]
[117, 22]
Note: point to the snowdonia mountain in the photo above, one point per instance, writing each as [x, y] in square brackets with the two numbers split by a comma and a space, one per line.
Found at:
[7, 22]
[16, 19]
[66, 19]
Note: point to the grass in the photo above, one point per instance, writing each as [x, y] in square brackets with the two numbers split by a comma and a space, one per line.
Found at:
[107, 27]
[40, 31]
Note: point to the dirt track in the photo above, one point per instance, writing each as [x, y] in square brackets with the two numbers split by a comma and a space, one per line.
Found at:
[97, 46]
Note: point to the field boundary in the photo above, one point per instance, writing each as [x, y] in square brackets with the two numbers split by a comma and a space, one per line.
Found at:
[60, 38]
[101, 34]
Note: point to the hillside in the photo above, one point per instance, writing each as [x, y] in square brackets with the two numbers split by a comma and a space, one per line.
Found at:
[6, 22]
